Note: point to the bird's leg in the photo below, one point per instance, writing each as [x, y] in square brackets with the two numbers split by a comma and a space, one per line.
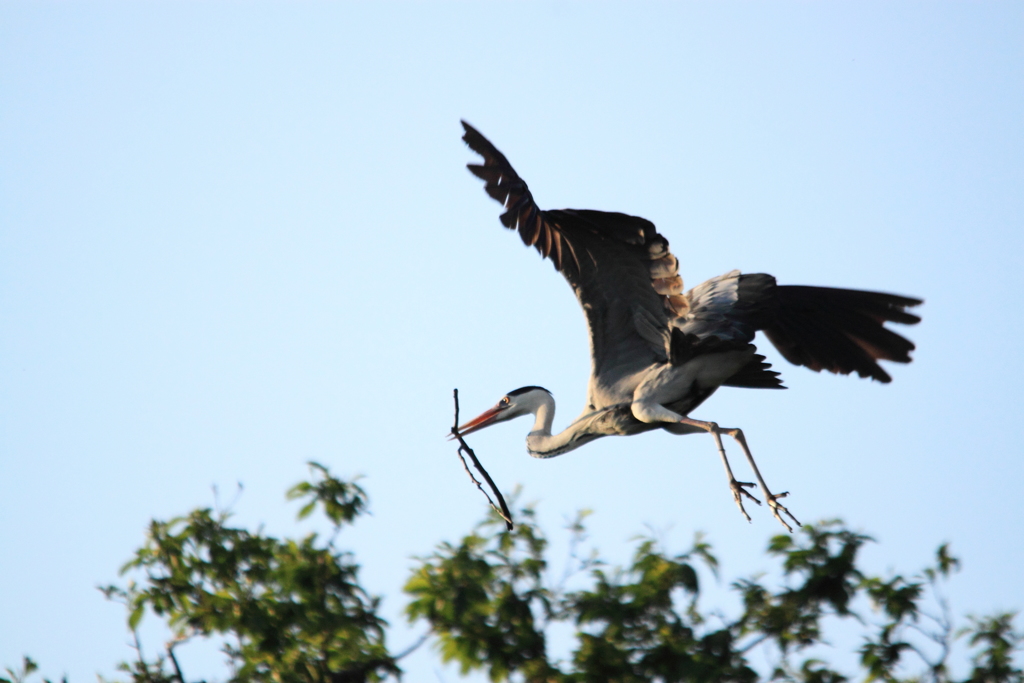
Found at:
[772, 498]
[737, 487]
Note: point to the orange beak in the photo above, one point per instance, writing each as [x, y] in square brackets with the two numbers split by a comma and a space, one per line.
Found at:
[485, 419]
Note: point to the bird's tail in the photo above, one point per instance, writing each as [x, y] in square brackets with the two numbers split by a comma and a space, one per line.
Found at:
[841, 330]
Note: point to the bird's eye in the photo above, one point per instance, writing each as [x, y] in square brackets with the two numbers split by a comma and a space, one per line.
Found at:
[503, 402]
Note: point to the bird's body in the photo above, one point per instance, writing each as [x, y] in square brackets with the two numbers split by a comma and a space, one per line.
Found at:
[656, 352]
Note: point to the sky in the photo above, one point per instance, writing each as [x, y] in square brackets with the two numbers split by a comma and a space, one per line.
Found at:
[236, 237]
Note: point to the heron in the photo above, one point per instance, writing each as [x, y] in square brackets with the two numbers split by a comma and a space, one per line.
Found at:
[657, 352]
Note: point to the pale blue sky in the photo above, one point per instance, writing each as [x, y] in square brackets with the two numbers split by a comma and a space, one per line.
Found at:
[236, 237]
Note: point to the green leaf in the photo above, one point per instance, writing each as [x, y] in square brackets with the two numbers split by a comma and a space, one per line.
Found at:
[136, 616]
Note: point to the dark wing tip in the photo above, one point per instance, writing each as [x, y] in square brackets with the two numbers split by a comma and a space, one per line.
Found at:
[841, 330]
[503, 184]
[482, 146]
[549, 232]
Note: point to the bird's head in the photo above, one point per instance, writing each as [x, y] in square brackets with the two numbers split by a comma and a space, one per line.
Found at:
[522, 401]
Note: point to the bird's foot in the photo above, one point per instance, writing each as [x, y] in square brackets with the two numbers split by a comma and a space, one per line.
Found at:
[777, 508]
[739, 489]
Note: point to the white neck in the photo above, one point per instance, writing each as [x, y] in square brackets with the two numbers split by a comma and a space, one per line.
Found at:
[540, 443]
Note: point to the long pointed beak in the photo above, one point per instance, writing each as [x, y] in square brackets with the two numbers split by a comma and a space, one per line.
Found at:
[485, 419]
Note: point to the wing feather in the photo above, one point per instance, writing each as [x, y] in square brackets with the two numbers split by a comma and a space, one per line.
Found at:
[821, 328]
[628, 283]
[841, 330]
[621, 269]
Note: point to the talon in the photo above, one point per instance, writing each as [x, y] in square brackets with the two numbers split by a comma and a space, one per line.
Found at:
[738, 491]
[777, 507]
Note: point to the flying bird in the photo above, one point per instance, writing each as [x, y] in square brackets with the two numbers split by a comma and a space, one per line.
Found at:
[657, 352]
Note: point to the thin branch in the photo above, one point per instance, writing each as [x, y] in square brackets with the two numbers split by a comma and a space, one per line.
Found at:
[939, 638]
[944, 622]
[573, 564]
[138, 647]
[412, 648]
[464, 448]
[751, 645]
[174, 660]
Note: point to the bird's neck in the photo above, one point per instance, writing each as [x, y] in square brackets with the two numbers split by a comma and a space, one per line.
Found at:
[540, 442]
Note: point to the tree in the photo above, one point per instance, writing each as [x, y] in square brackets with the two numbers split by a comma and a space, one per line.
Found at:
[292, 611]
[488, 606]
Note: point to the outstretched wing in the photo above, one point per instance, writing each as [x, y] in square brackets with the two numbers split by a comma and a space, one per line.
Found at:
[731, 307]
[841, 330]
[822, 328]
[727, 311]
[624, 275]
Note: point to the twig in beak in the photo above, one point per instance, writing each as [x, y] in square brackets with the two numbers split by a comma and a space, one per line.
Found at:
[464, 448]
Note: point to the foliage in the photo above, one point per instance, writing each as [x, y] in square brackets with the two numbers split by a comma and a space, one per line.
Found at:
[489, 609]
[292, 611]
[28, 667]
